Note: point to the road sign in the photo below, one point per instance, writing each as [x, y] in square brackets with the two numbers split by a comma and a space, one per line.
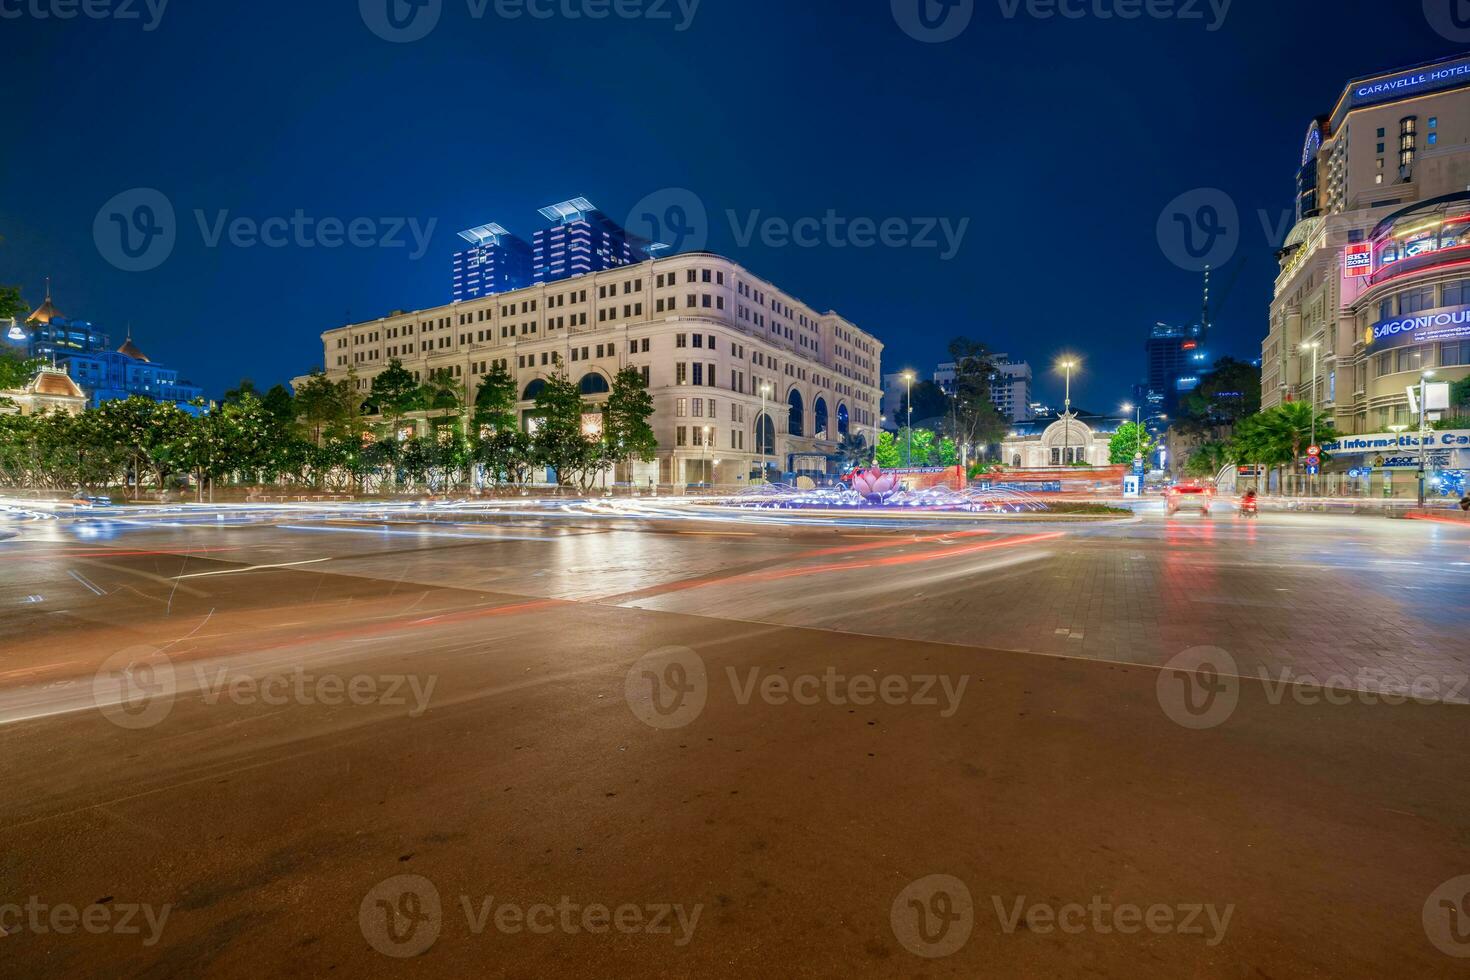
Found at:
[1313, 469]
[1314, 460]
[1314, 450]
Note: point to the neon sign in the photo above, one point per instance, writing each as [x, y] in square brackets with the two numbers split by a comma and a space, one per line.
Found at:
[1389, 88]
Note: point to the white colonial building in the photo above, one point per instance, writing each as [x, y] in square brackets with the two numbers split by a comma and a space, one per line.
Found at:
[1062, 441]
[741, 373]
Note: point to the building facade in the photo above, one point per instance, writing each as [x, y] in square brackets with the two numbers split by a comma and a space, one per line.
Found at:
[1069, 440]
[495, 262]
[1010, 389]
[743, 375]
[1374, 284]
[1175, 359]
[50, 390]
[126, 372]
[581, 241]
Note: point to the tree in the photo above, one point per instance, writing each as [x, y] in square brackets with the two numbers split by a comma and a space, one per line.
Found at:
[442, 393]
[1460, 394]
[889, 453]
[1208, 459]
[149, 433]
[973, 418]
[853, 450]
[329, 409]
[394, 393]
[625, 427]
[1229, 393]
[559, 442]
[12, 305]
[495, 401]
[1130, 440]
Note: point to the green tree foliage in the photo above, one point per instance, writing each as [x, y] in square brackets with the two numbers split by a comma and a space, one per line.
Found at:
[1124, 446]
[393, 394]
[329, 409]
[1229, 393]
[853, 450]
[1208, 459]
[889, 453]
[626, 429]
[495, 401]
[12, 304]
[559, 442]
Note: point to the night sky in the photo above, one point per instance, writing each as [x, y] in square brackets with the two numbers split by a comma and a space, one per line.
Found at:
[1060, 141]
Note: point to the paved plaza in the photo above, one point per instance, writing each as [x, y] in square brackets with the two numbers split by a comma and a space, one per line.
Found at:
[780, 745]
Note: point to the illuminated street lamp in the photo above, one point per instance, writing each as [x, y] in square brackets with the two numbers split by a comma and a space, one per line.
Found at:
[1068, 365]
[1314, 346]
[908, 453]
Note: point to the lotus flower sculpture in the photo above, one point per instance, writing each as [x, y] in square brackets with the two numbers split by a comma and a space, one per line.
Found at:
[874, 485]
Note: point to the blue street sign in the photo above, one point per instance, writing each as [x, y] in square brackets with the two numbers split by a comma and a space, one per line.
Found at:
[1313, 470]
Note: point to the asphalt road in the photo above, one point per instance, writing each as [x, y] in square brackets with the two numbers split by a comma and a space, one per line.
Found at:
[584, 741]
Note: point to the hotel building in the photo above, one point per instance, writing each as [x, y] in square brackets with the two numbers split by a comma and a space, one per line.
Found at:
[1374, 282]
[1010, 388]
[741, 373]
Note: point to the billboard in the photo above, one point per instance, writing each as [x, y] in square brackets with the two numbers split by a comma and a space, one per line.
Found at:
[1357, 260]
[1427, 327]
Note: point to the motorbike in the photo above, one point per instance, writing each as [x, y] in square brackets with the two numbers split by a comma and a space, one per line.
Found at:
[1250, 508]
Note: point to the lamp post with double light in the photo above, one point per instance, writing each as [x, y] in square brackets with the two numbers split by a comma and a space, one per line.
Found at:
[761, 432]
[1423, 427]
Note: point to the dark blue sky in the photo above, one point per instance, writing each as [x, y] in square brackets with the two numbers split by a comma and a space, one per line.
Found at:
[1059, 140]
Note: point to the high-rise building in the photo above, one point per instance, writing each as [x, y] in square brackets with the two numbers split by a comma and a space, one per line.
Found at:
[47, 334]
[745, 377]
[582, 240]
[1373, 289]
[1175, 359]
[495, 262]
[1010, 389]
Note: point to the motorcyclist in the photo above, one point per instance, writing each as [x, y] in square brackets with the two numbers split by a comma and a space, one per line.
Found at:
[1248, 502]
[1465, 502]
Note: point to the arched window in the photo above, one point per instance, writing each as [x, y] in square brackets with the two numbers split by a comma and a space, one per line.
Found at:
[594, 384]
[532, 390]
[796, 420]
[765, 436]
[819, 419]
[843, 424]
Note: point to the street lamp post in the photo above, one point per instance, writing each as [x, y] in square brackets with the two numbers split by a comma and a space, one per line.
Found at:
[1423, 428]
[878, 434]
[708, 473]
[1068, 365]
[1314, 347]
[761, 432]
[908, 454]
[1397, 430]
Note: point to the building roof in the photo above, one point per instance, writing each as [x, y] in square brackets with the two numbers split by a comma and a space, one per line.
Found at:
[131, 350]
[55, 382]
[45, 313]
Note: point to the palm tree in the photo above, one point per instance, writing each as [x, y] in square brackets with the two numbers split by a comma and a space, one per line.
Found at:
[853, 450]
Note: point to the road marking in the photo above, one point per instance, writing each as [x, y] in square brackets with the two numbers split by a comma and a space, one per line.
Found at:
[253, 568]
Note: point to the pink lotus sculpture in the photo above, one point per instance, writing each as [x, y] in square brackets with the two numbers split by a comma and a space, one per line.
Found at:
[874, 485]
